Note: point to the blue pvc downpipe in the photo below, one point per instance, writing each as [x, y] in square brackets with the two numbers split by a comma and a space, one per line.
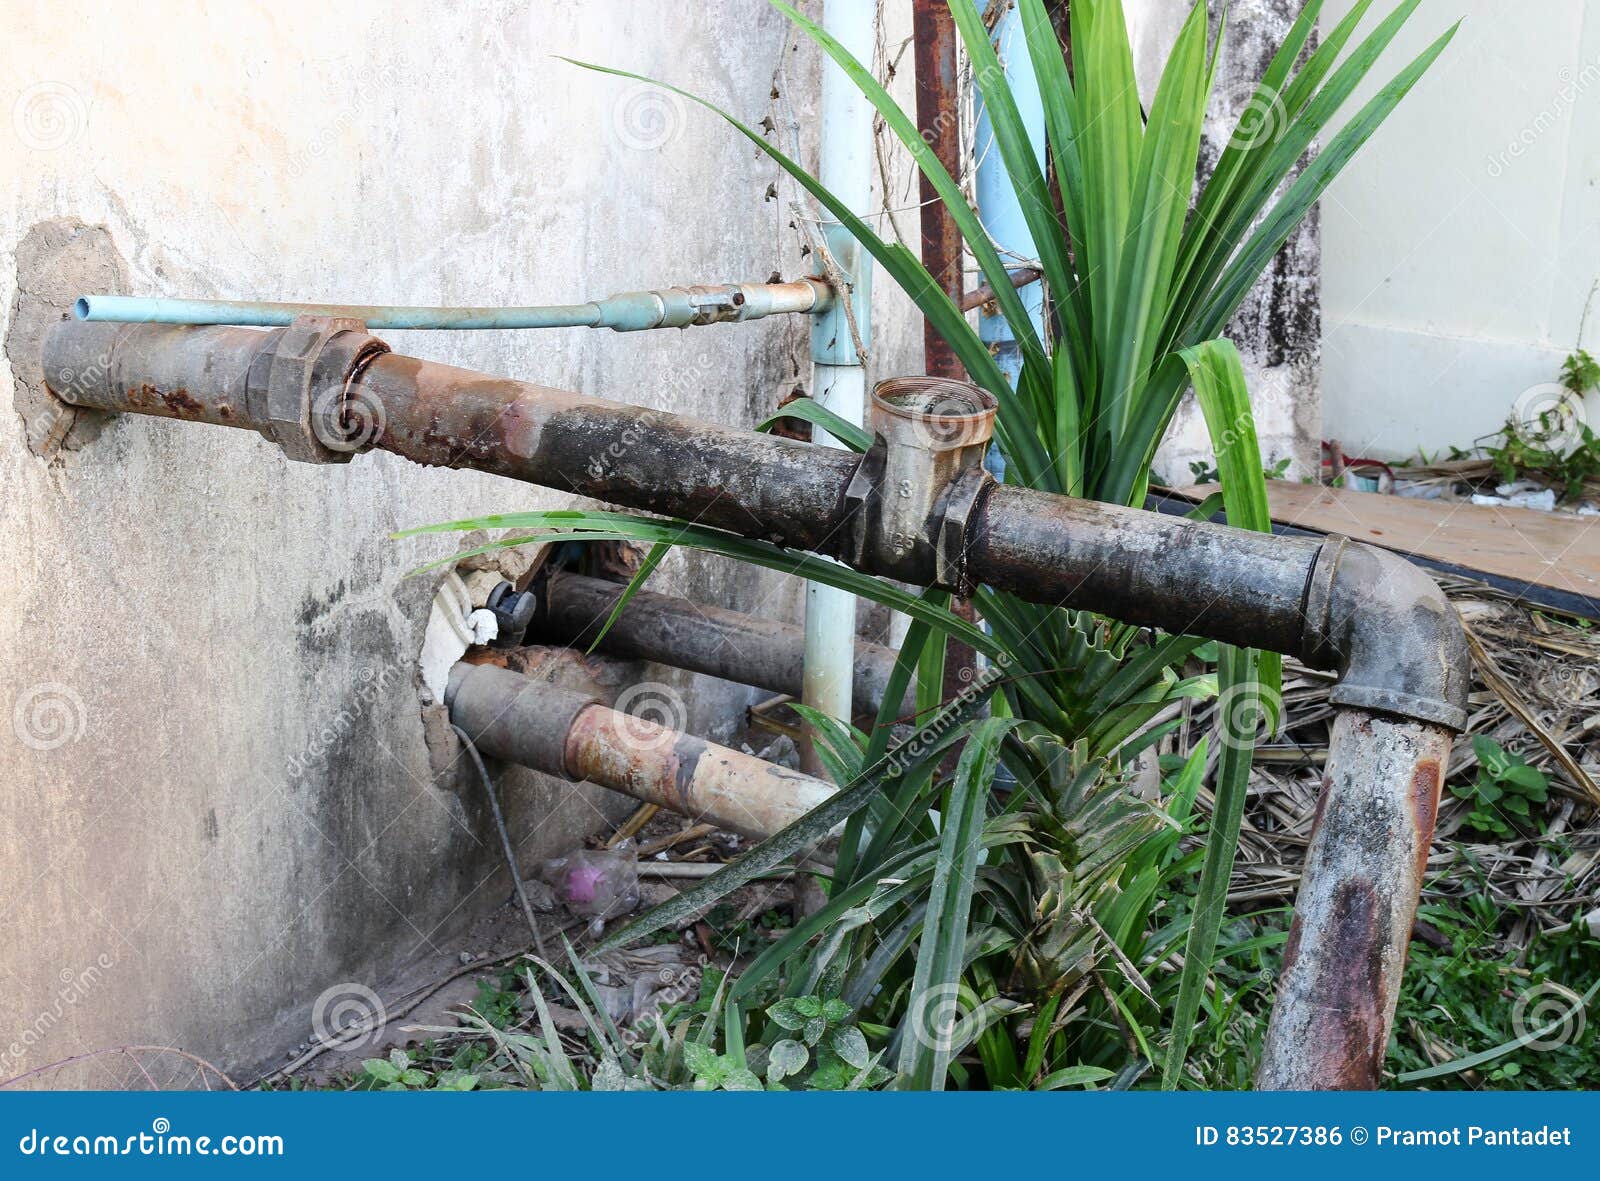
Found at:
[998, 207]
[138, 310]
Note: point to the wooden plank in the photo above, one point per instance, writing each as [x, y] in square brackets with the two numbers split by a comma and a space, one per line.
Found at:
[1556, 550]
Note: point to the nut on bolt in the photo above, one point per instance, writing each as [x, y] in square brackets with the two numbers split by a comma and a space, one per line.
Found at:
[314, 354]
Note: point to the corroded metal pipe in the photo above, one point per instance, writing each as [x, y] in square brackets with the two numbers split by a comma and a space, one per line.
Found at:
[1358, 896]
[575, 736]
[933, 32]
[1367, 613]
[687, 635]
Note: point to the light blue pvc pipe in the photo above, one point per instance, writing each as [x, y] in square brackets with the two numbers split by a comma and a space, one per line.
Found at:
[998, 207]
[631, 311]
[137, 310]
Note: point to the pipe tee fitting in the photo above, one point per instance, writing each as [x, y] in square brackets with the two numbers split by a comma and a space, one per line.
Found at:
[917, 488]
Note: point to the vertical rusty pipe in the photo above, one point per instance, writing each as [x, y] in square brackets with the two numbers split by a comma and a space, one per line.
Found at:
[1358, 896]
[933, 32]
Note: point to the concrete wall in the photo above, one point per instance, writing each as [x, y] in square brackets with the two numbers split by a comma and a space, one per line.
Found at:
[183, 612]
[1462, 244]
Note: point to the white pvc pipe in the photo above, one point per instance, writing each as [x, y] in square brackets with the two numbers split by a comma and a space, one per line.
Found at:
[837, 378]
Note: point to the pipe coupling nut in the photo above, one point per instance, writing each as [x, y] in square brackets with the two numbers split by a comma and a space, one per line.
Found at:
[915, 491]
[299, 389]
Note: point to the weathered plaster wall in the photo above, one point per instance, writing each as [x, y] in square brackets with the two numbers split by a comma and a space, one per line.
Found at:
[1279, 327]
[183, 613]
[1464, 242]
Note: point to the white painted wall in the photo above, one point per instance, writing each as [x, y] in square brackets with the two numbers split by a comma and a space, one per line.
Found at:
[1460, 246]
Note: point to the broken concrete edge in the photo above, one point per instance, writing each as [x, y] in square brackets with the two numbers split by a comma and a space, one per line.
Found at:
[57, 261]
[519, 565]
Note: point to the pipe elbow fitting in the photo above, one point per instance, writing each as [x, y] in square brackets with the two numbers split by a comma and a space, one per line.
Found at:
[1391, 633]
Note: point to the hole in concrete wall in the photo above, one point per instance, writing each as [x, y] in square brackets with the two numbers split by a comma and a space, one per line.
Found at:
[57, 261]
[452, 635]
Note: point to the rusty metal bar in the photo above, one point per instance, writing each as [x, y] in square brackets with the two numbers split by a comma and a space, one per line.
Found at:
[575, 736]
[1363, 611]
[983, 294]
[933, 32]
[687, 635]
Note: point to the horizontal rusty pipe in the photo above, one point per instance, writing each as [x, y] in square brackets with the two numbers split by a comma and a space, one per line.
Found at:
[1367, 613]
[573, 735]
[1316, 600]
[709, 640]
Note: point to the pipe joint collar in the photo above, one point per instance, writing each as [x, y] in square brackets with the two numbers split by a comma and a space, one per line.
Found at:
[300, 389]
[914, 494]
[1390, 632]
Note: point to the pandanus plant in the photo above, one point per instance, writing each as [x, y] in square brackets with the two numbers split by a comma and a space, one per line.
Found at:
[1018, 893]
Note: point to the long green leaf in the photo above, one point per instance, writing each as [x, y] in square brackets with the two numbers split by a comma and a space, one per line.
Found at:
[1236, 671]
[925, 1056]
[1220, 389]
[814, 412]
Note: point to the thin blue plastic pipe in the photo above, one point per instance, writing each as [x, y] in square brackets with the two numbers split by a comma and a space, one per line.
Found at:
[631, 311]
[138, 310]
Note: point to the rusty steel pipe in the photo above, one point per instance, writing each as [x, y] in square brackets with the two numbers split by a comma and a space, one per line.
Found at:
[933, 32]
[1367, 613]
[709, 640]
[572, 735]
[1342, 964]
